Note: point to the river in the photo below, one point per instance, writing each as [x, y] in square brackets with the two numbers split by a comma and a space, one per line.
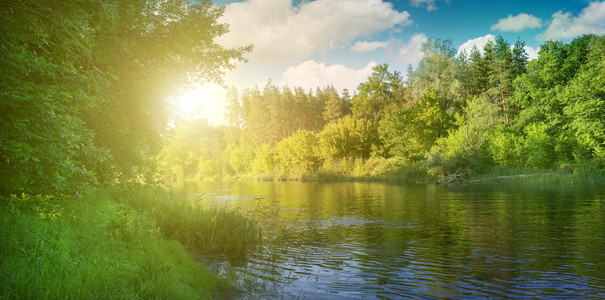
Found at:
[382, 240]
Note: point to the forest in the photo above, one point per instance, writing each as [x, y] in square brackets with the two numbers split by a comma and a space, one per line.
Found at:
[462, 114]
[89, 140]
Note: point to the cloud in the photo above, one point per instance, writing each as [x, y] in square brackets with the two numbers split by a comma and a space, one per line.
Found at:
[430, 4]
[368, 46]
[531, 52]
[310, 74]
[283, 33]
[479, 42]
[411, 52]
[563, 25]
[517, 23]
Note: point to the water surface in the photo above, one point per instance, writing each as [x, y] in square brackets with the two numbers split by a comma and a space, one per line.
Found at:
[381, 240]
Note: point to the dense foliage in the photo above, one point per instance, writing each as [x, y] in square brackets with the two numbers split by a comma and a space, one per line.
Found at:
[85, 86]
[454, 113]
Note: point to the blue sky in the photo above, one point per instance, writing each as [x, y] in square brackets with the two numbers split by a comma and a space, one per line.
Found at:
[336, 42]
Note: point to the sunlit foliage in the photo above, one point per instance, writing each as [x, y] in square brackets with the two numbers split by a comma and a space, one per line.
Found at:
[462, 114]
[86, 85]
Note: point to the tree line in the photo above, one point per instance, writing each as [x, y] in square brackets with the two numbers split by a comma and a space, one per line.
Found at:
[462, 112]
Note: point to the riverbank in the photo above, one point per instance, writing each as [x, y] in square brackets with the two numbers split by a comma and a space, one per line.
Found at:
[564, 174]
[585, 173]
[117, 242]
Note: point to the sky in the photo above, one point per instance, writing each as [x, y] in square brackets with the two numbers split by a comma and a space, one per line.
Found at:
[316, 43]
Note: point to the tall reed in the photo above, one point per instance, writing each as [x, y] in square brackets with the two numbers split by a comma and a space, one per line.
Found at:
[205, 230]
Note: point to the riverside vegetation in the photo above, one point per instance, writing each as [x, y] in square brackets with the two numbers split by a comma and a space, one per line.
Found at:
[84, 135]
[117, 242]
[85, 86]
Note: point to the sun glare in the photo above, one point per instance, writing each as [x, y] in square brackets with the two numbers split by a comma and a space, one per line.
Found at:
[204, 101]
[190, 101]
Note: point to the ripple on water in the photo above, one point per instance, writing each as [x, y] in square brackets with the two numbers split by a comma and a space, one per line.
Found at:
[360, 240]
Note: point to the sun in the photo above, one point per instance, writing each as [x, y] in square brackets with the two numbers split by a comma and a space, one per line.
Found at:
[190, 101]
[206, 101]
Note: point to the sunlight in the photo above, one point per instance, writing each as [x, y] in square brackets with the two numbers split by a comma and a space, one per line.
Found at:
[190, 102]
[203, 101]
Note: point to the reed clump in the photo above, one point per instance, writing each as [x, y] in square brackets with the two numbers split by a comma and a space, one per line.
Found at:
[203, 229]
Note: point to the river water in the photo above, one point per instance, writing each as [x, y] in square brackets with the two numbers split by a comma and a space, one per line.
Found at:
[391, 241]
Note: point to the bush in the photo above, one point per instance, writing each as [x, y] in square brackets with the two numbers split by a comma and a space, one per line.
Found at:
[539, 146]
[264, 159]
[506, 148]
[298, 153]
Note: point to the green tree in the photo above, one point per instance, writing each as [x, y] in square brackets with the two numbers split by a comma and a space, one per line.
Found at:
[375, 94]
[47, 84]
[87, 84]
[264, 159]
[585, 99]
[464, 148]
[436, 71]
[410, 133]
[298, 153]
[192, 149]
[348, 138]
[539, 147]
[334, 107]
[520, 58]
[502, 76]
[235, 113]
[480, 119]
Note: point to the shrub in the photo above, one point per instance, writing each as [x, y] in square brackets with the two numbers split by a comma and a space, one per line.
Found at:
[539, 146]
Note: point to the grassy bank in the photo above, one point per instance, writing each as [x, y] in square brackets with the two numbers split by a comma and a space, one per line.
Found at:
[118, 243]
[564, 174]
[373, 169]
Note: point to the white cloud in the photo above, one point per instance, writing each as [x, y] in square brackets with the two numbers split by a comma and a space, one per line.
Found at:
[479, 42]
[283, 33]
[531, 52]
[563, 25]
[311, 74]
[411, 52]
[517, 23]
[430, 4]
[368, 46]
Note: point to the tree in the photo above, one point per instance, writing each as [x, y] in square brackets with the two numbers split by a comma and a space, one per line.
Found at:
[235, 114]
[192, 149]
[585, 98]
[348, 138]
[88, 82]
[298, 153]
[334, 106]
[436, 71]
[47, 82]
[410, 133]
[501, 77]
[481, 117]
[376, 93]
[520, 58]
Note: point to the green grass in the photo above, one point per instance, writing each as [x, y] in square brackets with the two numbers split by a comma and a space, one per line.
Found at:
[372, 169]
[96, 247]
[204, 230]
[564, 174]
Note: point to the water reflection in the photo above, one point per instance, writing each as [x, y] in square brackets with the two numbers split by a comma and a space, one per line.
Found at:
[378, 240]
